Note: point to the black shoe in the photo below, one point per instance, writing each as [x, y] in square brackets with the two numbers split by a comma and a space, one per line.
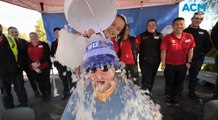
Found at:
[215, 96]
[48, 98]
[66, 96]
[43, 98]
[195, 97]
[175, 102]
[9, 106]
[168, 102]
[22, 105]
[36, 93]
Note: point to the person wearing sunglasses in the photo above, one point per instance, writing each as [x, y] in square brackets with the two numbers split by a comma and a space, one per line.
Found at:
[203, 46]
[102, 93]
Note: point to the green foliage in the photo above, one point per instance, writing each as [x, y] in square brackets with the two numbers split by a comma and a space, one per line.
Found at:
[39, 28]
[21, 35]
[24, 36]
[5, 30]
[210, 67]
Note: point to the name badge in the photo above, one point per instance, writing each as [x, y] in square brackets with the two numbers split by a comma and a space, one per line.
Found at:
[156, 37]
[187, 41]
[40, 46]
[201, 33]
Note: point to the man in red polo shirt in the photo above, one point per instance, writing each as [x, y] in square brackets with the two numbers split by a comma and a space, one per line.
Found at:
[176, 55]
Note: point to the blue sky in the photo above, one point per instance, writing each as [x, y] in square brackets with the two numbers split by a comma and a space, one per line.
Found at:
[22, 18]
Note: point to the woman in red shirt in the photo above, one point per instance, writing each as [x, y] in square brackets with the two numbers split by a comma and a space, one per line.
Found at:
[128, 54]
[116, 30]
[39, 62]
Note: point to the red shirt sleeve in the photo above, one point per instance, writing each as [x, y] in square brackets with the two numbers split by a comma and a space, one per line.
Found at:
[138, 42]
[116, 48]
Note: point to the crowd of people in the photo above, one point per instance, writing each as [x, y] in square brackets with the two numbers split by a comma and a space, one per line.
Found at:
[33, 58]
[176, 53]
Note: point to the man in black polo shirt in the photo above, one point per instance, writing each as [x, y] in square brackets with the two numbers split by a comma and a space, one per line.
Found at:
[203, 45]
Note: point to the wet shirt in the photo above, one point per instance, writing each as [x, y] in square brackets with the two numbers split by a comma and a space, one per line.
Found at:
[177, 49]
[104, 110]
[118, 107]
[202, 42]
[126, 52]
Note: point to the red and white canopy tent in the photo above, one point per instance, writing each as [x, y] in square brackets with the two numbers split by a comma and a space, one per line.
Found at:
[57, 6]
[164, 11]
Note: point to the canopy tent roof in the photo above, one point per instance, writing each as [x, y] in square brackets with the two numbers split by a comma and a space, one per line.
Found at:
[57, 6]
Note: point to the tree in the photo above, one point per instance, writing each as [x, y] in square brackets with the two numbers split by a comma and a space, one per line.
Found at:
[5, 30]
[39, 28]
[24, 36]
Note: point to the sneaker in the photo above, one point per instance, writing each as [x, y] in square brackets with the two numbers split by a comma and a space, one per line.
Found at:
[195, 97]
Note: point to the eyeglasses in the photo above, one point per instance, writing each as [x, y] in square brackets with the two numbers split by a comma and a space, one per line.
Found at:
[103, 69]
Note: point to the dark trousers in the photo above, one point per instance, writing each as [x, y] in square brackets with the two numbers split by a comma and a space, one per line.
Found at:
[43, 81]
[216, 84]
[174, 77]
[7, 98]
[193, 72]
[133, 70]
[66, 79]
[149, 71]
[31, 79]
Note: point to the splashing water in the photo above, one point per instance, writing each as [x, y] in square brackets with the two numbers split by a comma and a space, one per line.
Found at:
[127, 103]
